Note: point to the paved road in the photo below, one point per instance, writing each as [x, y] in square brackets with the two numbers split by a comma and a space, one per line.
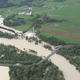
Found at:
[46, 58]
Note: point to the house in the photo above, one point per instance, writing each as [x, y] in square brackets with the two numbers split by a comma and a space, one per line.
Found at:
[28, 13]
[30, 8]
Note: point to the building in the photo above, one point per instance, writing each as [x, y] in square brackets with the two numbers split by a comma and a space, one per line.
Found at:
[30, 8]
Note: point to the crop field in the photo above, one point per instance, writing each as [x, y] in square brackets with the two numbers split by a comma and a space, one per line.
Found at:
[69, 21]
[68, 30]
[71, 32]
[66, 39]
[69, 12]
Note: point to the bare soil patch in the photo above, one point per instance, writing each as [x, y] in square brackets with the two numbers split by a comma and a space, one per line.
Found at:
[70, 35]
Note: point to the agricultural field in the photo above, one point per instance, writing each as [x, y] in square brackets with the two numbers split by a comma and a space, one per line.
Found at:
[69, 11]
[68, 30]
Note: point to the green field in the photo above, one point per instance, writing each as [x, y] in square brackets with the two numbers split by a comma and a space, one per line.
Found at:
[67, 40]
[25, 26]
[62, 30]
[69, 21]
[72, 10]
[70, 13]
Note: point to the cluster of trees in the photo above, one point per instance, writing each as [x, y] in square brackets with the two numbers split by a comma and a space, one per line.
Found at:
[42, 19]
[38, 3]
[48, 47]
[33, 51]
[7, 35]
[72, 54]
[59, 0]
[45, 70]
[51, 40]
[14, 55]
[31, 39]
[12, 21]
[47, 19]
[8, 29]
[5, 3]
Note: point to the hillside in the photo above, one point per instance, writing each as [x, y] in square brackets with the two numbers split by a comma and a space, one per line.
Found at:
[10, 3]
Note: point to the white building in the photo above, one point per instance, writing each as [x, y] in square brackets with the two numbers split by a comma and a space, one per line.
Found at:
[30, 8]
[28, 13]
[25, 13]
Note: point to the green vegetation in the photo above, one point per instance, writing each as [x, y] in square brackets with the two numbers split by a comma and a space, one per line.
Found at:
[51, 40]
[7, 29]
[5, 3]
[72, 11]
[45, 70]
[48, 47]
[33, 51]
[46, 13]
[12, 21]
[7, 35]
[67, 40]
[72, 54]
[18, 22]
[14, 55]
[69, 21]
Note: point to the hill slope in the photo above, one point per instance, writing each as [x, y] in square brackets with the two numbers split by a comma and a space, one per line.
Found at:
[10, 3]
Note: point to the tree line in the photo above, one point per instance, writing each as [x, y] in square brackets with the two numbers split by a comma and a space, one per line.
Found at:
[51, 40]
[7, 29]
[38, 3]
[5, 4]
[7, 35]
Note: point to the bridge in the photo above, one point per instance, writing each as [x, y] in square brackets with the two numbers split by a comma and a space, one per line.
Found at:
[46, 58]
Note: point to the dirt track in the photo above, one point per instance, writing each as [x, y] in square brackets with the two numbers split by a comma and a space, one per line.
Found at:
[70, 35]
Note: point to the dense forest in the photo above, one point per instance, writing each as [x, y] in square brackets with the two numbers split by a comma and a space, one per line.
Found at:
[72, 54]
[10, 3]
[5, 4]
[59, 0]
[45, 71]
